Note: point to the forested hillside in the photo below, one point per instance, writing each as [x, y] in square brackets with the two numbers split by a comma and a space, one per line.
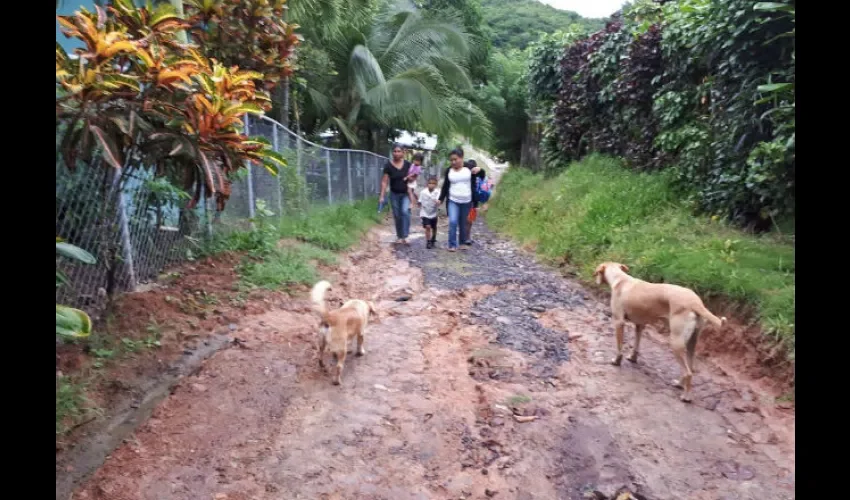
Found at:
[517, 23]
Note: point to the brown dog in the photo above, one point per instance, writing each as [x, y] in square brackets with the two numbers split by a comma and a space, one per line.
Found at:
[340, 326]
[643, 303]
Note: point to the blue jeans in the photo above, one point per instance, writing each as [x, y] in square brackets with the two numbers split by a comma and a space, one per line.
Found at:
[400, 204]
[458, 215]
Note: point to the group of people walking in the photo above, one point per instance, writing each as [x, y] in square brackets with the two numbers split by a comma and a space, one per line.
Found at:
[464, 188]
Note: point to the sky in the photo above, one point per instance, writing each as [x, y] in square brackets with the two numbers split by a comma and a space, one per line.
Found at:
[68, 7]
[588, 8]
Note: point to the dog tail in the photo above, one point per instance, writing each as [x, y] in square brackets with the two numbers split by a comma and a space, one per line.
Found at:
[711, 318]
[317, 295]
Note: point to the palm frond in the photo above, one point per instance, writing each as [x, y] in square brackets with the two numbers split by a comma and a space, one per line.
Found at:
[406, 99]
[453, 73]
[344, 129]
[364, 70]
[321, 101]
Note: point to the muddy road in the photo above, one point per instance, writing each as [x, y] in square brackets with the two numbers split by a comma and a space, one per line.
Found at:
[486, 376]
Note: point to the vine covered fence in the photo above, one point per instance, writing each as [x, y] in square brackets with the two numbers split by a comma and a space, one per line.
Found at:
[137, 226]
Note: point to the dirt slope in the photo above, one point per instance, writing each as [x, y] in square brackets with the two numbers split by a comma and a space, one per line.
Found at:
[488, 378]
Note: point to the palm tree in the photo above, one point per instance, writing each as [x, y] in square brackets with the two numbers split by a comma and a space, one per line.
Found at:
[318, 21]
[401, 71]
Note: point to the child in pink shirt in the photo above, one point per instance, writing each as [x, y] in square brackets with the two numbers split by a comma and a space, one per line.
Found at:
[413, 174]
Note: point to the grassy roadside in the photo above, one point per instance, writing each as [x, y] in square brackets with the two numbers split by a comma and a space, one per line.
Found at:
[597, 211]
[310, 238]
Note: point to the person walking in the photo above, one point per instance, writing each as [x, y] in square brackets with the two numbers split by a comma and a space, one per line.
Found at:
[430, 205]
[478, 178]
[460, 195]
[395, 177]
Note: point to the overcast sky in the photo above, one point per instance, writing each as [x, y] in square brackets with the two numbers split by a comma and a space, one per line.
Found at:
[588, 8]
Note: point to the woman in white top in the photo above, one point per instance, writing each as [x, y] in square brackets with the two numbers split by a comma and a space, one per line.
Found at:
[460, 195]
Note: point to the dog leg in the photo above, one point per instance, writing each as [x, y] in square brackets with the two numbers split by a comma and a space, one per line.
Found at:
[638, 332]
[679, 352]
[340, 364]
[618, 332]
[360, 349]
[681, 334]
[321, 351]
[690, 352]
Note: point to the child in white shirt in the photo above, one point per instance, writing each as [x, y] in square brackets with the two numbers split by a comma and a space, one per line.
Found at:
[429, 203]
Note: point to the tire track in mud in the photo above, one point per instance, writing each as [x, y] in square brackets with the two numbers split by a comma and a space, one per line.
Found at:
[486, 376]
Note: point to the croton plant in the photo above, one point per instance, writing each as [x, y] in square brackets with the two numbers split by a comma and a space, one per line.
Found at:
[250, 33]
[142, 99]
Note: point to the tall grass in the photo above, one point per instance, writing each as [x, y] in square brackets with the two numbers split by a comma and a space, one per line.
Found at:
[334, 227]
[597, 211]
[313, 237]
[70, 404]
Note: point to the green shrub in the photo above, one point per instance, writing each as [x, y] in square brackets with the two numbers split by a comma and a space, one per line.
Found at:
[703, 87]
[71, 404]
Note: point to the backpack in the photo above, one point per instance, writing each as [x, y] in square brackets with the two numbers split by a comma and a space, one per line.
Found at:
[484, 188]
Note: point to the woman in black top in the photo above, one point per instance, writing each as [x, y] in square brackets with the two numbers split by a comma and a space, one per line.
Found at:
[395, 173]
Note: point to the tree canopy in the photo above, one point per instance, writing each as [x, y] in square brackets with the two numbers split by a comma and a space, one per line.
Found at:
[403, 69]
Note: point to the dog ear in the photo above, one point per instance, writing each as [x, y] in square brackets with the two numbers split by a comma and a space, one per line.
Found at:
[372, 308]
[599, 274]
[624, 267]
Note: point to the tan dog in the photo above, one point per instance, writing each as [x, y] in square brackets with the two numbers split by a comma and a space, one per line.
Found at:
[340, 326]
[643, 303]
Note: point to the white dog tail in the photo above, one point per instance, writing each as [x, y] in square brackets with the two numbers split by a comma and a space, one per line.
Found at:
[711, 318]
[317, 295]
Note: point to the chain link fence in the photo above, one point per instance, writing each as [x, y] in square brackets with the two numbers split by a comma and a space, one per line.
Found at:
[137, 226]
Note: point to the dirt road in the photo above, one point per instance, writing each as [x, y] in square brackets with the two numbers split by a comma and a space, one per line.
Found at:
[487, 376]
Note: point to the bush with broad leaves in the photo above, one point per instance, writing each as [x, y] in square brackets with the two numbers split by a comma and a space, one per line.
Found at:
[70, 322]
[705, 87]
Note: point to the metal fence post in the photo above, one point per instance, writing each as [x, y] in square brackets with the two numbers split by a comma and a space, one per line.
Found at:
[365, 177]
[276, 147]
[250, 180]
[348, 171]
[250, 177]
[207, 220]
[298, 154]
[303, 195]
[328, 168]
[376, 187]
[126, 244]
